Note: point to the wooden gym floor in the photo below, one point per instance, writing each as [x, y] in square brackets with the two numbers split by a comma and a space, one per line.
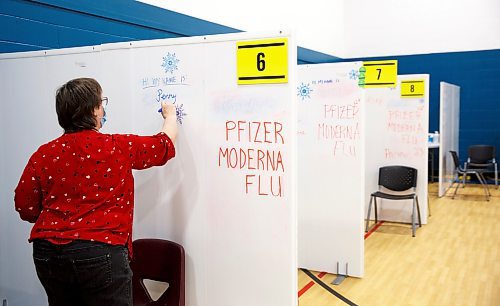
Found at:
[453, 260]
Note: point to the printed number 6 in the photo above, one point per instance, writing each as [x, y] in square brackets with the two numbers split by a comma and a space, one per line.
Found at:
[261, 64]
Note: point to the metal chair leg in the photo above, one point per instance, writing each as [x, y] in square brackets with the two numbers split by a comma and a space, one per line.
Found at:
[376, 209]
[456, 188]
[368, 215]
[483, 183]
[413, 219]
[418, 211]
[464, 175]
[496, 175]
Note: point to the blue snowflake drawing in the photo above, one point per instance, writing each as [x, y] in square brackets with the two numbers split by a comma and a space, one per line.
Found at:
[170, 62]
[179, 110]
[304, 91]
[353, 74]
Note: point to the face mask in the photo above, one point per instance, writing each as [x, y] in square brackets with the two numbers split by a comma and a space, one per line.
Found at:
[103, 119]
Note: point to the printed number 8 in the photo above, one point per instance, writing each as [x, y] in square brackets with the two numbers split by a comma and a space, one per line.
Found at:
[412, 88]
[261, 64]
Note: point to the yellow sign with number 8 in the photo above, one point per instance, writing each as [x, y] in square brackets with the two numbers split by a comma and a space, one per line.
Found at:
[412, 88]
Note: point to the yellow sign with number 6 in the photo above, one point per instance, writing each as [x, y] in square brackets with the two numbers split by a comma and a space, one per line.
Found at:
[262, 61]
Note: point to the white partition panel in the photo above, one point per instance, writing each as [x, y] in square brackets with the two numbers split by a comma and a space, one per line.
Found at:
[396, 134]
[449, 124]
[27, 120]
[232, 209]
[330, 168]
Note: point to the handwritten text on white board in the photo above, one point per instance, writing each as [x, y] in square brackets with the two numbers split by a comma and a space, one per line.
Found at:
[406, 130]
[340, 125]
[254, 147]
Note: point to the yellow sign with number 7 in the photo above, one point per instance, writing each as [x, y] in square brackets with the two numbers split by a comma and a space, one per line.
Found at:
[380, 74]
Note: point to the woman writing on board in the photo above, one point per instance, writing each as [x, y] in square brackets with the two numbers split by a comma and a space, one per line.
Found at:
[78, 190]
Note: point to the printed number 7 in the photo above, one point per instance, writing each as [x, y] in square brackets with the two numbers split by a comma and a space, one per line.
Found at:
[379, 72]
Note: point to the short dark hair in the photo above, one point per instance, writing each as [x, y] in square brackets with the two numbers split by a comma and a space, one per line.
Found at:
[75, 104]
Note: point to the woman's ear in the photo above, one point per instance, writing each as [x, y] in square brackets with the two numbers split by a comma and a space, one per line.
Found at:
[97, 117]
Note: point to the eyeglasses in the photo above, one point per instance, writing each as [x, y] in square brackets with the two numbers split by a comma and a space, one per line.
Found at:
[104, 101]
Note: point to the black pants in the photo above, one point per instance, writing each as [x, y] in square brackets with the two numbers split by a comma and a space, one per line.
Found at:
[84, 273]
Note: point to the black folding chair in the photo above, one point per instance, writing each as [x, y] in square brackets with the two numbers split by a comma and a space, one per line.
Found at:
[482, 159]
[398, 179]
[464, 173]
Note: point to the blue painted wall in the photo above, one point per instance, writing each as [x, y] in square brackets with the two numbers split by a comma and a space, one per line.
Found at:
[27, 25]
[36, 25]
